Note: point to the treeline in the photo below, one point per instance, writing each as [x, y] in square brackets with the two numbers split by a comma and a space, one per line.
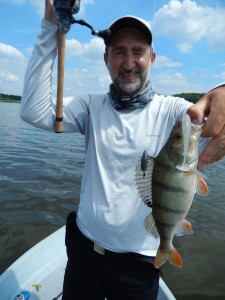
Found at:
[9, 98]
[192, 97]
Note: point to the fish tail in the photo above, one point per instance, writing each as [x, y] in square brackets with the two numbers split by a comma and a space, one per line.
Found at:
[171, 255]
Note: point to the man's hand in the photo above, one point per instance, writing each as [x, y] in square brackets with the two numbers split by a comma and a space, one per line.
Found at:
[212, 105]
[50, 14]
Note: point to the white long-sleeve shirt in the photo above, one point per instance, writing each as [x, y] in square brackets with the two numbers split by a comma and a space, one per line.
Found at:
[111, 213]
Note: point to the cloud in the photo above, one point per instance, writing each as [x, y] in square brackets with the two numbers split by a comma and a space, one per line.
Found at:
[223, 75]
[169, 83]
[94, 50]
[19, 2]
[7, 51]
[9, 76]
[40, 6]
[83, 4]
[187, 23]
[82, 80]
[73, 48]
[92, 76]
[165, 62]
[13, 66]
[91, 53]
[184, 47]
[89, 74]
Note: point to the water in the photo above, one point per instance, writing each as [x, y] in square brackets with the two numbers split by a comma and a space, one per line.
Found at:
[40, 175]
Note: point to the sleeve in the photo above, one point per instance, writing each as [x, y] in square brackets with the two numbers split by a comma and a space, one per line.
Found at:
[218, 85]
[38, 106]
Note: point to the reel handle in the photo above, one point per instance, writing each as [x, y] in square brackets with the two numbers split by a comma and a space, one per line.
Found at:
[60, 82]
[64, 11]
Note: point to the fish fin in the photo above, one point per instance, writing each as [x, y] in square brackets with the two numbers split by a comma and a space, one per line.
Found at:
[202, 187]
[171, 255]
[161, 258]
[144, 180]
[150, 227]
[174, 258]
[184, 228]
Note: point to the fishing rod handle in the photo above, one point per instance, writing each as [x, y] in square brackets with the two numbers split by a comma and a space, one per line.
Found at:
[60, 82]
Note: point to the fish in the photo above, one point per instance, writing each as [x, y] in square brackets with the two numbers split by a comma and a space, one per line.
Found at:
[167, 184]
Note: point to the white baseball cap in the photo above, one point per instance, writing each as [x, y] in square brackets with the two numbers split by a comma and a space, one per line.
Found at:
[130, 22]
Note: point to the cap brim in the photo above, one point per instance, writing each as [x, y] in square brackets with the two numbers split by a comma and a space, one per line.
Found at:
[132, 23]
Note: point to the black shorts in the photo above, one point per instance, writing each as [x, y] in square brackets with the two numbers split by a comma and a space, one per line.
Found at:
[90, 275]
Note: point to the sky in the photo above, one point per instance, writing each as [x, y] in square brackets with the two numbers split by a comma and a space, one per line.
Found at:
[188, 37]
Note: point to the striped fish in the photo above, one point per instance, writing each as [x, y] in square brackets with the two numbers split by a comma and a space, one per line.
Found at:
[167, 184]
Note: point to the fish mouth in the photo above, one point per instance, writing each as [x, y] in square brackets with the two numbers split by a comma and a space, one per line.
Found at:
[184, 139]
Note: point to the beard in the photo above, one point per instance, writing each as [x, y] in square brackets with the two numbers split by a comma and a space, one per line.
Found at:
[128, 86]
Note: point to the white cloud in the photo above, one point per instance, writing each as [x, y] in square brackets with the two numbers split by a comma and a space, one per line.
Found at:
[165, 62]
[104, 82]
[73, 48]
[93, 76]
[8, 51]
[188, 23]
[81, 81]
[88, 52]
[8, 76]
[223, 75]
[169, 83]
[91, 53]
[13, 66]
[89, 74]
[83, 4]
[19, 2]
[40, 6]
[184, 47]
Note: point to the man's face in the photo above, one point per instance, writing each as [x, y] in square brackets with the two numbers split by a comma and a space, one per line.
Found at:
[129, 61]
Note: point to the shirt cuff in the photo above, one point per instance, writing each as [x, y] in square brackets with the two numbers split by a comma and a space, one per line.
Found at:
[218, 85]
[49, 25]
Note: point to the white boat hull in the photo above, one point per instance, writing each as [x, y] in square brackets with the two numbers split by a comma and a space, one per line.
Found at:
[44, 266]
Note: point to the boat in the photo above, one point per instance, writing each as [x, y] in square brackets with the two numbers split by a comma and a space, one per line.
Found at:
[40, 272]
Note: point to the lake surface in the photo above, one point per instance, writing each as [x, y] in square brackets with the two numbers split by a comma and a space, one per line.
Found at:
[40, 176]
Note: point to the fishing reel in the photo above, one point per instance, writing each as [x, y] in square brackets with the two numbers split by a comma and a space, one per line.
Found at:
[64, 12]
[65, 9]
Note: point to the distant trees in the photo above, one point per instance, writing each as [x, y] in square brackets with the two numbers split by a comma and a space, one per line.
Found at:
[9, 98]
[192, 97]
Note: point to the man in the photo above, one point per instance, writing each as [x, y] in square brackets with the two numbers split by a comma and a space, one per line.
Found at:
[109, 253]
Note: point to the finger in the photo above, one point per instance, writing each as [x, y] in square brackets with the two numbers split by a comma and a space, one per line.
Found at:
[214, 151]
[196, 113]
[216, 119]
[215, 110]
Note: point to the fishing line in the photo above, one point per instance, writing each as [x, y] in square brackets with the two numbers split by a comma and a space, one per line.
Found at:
[144, 158]
[153, 11]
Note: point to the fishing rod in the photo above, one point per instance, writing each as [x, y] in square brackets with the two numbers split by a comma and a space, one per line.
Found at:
[65, 9]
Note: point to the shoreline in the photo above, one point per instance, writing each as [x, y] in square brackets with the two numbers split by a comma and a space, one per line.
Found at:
[10, 101]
